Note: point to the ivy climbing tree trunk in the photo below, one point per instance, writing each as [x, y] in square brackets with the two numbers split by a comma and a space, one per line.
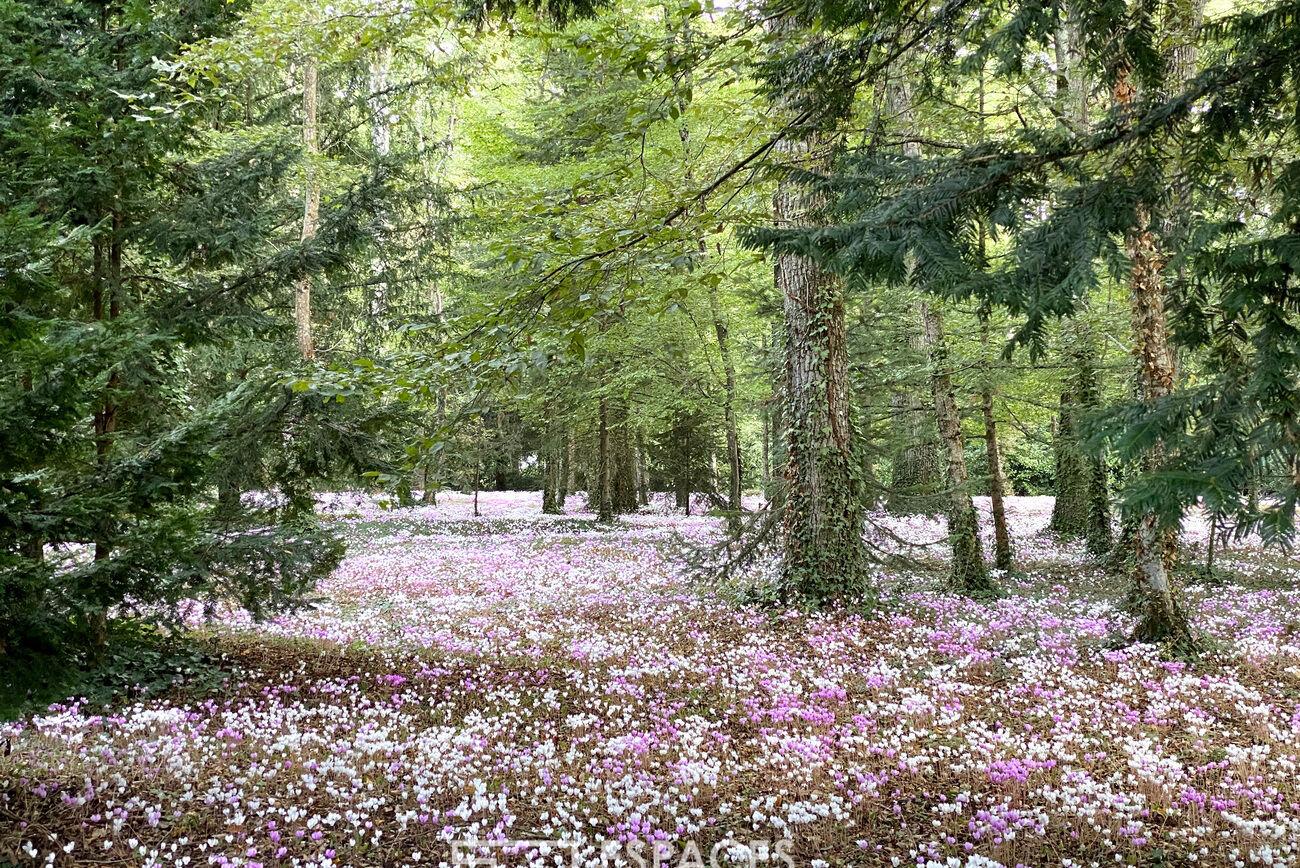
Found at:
[824, 552]
[311, 204]
[969, 575]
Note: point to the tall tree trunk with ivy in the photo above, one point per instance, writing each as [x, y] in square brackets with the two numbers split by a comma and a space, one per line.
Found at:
[824, 553]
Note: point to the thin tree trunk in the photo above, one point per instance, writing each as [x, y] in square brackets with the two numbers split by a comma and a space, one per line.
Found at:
[683, 461]
[605, 468]
[720, 328]
[728, 407]
[106, 305]
[915, 486]
[551, 503]
[767, 433]
[381, 141]
[1003, 556]
[624, 494]
[643, 469]
[311, 205]
[969, 573]
[1161, 618]
[570, 470]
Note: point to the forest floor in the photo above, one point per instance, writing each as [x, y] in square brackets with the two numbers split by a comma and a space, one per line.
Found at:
[527, 677]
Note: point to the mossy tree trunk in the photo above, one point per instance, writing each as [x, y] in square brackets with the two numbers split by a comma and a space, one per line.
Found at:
[970, 574]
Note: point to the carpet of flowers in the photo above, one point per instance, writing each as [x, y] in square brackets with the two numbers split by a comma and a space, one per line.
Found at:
[521, 676]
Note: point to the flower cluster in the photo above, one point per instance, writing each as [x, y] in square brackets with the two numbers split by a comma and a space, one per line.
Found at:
[528, 677]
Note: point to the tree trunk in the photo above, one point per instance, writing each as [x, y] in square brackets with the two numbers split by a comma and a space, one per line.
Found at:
[106, 304]
[605, 469]
[914, 482]
[430, 494]
[643, 468]
[969, 573]
[624, 477]
[1003, 556]
[825, 554]
[776, 412]
[568, 477]
[728, 409]
[1082, 506]
[550, 483]
[720, 328]
[1071, 504]
[381, 140]
[311, 206]
[1162, 618]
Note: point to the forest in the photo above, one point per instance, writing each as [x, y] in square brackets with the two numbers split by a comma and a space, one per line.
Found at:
[677, 433]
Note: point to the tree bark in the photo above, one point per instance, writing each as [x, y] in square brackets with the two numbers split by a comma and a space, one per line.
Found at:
[1082, 506]
[605, 469]
[624, 495]
[720, 328]
[1003, 556]
[914, 481]
[381, 141]
[825, 554]
[643, 469]
[551, 504]
[728, 410]
[1161, 617]
[569, 482]
[311, 206]
[969, 575]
